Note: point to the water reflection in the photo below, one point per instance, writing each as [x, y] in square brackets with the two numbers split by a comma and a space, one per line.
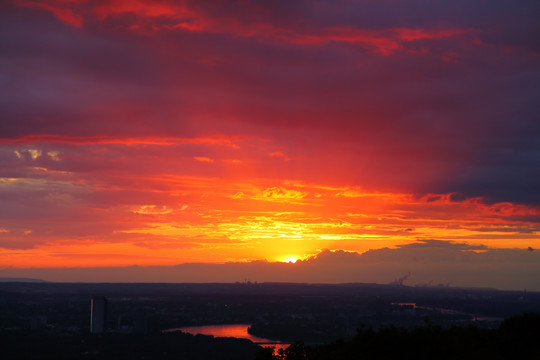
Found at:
[230, 330]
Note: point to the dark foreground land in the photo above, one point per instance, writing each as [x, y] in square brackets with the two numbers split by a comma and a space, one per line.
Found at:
[348, 321]
[516, 338]
[25, 345]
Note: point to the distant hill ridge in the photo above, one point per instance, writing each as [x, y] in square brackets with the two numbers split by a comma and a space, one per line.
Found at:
[28, 280]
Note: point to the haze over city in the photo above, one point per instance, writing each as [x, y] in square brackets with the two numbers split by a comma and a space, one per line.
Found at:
[271, 141]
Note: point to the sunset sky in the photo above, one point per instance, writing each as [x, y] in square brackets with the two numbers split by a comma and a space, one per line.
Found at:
[158, 133]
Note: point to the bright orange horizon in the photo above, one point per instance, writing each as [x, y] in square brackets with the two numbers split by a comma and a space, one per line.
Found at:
[226, 219]
[163, 133]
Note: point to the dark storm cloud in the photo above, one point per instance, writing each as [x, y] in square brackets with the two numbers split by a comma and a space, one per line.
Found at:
[507, 171]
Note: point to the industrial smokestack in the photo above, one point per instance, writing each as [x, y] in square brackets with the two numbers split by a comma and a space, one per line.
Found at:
[399, 281]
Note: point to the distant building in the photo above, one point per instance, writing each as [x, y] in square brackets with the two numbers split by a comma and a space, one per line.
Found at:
[98, 314]
[135, 322]
[140, 323]
[38, 322]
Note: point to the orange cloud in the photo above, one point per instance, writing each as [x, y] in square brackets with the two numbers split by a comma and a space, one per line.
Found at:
[204, 159]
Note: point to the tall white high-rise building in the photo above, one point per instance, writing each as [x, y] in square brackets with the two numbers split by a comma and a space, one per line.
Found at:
[98, 314]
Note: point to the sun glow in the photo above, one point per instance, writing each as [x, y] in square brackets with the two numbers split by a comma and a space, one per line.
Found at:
[290, 259]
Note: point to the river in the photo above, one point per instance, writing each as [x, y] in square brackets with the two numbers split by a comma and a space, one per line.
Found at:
[230, 330]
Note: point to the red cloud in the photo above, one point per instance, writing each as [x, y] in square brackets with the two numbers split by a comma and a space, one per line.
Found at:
[422, 34]
[148, 140]
[148, 16]
[63, 10]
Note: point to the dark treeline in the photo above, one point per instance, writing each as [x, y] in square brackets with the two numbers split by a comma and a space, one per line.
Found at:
[27, 345]
[516, 338]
